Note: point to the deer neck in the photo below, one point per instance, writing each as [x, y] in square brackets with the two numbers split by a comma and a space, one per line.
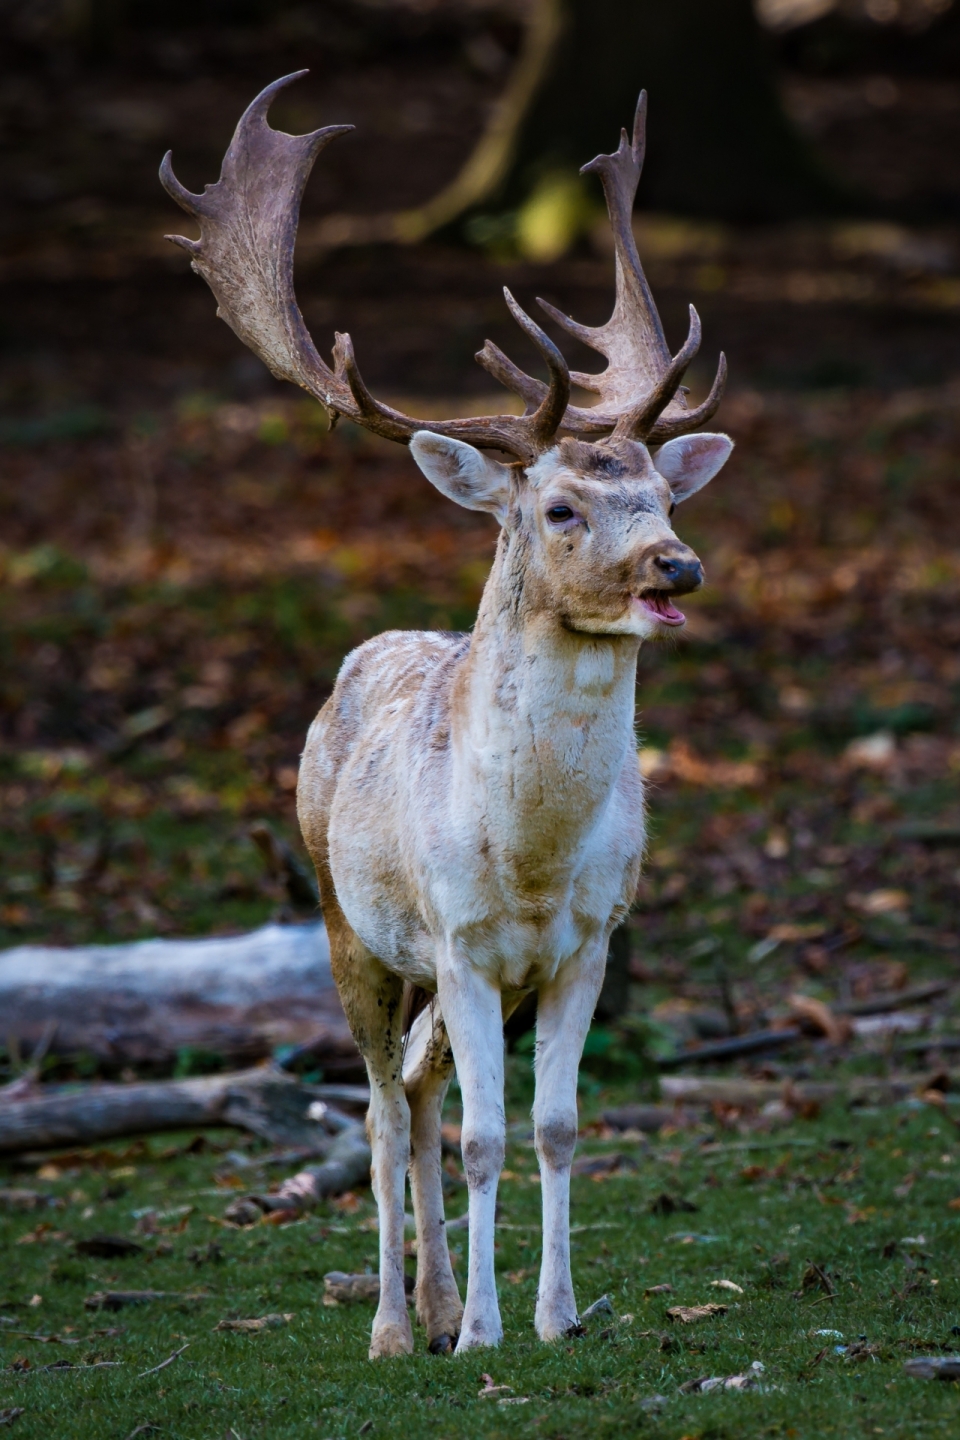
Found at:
[545, 715]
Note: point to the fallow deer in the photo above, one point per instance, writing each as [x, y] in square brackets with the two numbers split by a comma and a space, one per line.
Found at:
[473, 803]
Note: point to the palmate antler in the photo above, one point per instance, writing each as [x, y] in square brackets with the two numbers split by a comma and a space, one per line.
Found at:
[640, 395]
[248, 226]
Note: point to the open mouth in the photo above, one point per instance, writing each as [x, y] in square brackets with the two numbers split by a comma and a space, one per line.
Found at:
[657, 604]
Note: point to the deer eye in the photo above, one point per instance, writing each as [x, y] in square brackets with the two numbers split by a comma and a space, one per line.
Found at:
[673, 506]
[559, 513]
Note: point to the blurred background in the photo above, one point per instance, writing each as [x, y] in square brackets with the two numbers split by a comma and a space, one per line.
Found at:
[187, 554]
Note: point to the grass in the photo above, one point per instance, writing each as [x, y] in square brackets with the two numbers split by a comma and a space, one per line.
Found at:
[152, 708]
[833, 1192]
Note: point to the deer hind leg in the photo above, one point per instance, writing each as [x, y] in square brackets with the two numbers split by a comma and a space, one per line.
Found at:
[564, 1011]
[428, 1067]
[372, 998]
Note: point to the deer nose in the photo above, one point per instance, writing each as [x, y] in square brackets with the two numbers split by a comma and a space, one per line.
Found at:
[681, 573]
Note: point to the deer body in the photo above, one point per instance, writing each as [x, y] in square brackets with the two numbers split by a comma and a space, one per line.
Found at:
[473, 804]
[488, 787]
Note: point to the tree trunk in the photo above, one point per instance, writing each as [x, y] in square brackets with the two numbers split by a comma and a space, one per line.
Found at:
[719, 142]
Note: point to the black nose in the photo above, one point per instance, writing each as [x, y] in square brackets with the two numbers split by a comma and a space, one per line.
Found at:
[679, 574]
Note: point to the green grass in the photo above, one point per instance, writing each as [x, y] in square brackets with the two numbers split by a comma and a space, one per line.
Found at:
[773, 1205]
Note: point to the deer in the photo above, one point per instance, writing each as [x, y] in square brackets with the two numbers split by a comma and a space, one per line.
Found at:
[473, 803]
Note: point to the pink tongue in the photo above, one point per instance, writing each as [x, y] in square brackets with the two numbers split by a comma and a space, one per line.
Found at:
[661, 607]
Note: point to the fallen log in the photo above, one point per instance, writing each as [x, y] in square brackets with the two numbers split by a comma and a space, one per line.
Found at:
[237, 996]
[264, 1101]
[859, 1090]
[347, 1164]
[729, 1049]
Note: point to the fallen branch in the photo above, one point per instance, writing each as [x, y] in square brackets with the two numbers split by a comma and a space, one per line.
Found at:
[347, 1164]
[715, 1090]
[896, 999]
[730, 1049]
[340, 1288]
[264, 1101]
[164, 1363]
[933, 1367]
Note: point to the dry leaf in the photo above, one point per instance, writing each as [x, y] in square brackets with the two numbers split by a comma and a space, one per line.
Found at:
[836, 1029]
[491, 1391]
[690, 1314]
[348, 1203]
[727, 1285]
[872, 752]
[787, 934]
[253, 1327]
[879, 902]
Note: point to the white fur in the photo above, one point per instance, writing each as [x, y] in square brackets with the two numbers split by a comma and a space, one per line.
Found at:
[477, 806]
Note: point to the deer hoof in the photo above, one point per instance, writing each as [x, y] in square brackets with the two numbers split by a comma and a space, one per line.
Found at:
[442, 1345]
[388, 1340]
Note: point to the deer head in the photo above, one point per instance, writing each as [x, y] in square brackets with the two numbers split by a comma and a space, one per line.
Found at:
[593, 507]
[586, 529]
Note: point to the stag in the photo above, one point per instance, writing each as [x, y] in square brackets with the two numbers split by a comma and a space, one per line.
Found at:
[472, 803]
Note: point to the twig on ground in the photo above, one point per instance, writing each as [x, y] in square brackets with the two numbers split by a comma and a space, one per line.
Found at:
[43, 1339]
[896, 999]
[164, 1363]
[729, 1049]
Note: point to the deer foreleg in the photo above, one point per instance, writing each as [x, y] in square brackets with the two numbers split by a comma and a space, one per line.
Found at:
[564, 1011]
[472, 1012]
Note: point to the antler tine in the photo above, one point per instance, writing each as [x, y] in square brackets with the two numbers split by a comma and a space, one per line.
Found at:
[567, 322]
[502, 368]
[683, 423]
[635, 310]
[373, 415]
[547, 418]
[636, 423]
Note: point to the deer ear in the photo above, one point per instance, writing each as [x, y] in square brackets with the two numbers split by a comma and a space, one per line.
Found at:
[691, 461]
[463, 473]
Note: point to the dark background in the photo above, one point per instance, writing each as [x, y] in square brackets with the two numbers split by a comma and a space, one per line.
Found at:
[96, 309]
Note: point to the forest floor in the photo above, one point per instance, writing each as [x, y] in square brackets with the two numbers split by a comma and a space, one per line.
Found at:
[186, 557]
[177, 602]
[830, 1243]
